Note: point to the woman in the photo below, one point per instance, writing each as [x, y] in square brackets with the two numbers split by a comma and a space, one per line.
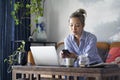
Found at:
[80, 41]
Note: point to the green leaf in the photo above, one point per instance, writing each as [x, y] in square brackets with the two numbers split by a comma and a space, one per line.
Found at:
[28, 6]
[23, 42]
[5, 60]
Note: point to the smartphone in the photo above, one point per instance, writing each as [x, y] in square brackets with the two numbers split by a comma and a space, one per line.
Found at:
[65, 51]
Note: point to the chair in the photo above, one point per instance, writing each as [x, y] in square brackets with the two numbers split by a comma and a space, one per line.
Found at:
[103, 49]
[60, 46]
[115, 44]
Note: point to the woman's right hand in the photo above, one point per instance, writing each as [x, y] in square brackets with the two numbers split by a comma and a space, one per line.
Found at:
[64, 54]
[68, 54]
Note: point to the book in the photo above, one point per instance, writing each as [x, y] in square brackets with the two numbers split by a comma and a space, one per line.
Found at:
[100, 65]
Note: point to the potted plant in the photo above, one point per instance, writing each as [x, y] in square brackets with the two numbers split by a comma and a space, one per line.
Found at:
[37, 8]
[19, 56]
[34, 7]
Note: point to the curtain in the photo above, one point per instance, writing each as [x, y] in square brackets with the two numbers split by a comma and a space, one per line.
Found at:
[9, 33]
[6, 35]
[23, 30]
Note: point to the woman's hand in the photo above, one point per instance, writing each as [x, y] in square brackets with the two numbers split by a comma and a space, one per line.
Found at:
[68, 54]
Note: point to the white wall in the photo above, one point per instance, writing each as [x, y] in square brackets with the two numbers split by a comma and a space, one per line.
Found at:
[103, 18]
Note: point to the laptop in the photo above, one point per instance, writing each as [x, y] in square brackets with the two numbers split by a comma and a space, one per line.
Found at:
[45, 55]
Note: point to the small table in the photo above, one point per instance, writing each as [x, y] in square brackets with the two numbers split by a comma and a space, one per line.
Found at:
[98, 73]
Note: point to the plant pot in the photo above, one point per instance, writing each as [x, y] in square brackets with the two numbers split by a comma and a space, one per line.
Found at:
[22, 58]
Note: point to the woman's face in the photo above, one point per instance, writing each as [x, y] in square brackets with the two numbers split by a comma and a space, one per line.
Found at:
[76, 26]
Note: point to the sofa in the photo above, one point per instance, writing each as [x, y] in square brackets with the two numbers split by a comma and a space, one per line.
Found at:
[108, 51]
[103, 49]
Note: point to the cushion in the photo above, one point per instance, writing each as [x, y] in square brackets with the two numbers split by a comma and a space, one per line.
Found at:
[103, 53]
[113, 54]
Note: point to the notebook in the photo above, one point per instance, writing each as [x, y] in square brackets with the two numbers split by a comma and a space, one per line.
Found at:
[45, 55]
[100, 65]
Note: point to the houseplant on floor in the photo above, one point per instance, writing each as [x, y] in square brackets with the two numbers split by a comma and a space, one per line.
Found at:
[19, 57]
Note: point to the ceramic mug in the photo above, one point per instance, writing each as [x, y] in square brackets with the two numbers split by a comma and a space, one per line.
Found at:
[69, 61]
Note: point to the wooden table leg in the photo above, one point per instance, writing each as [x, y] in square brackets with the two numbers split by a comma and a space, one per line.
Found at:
[75, 77]
[38, 77]
[98, 78]
[30, 76]
[59, 77]
[23, 76]
[53, 76]
[13, 75]
[68, 78]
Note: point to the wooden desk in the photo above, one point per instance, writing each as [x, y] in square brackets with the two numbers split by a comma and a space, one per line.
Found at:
[98, 73]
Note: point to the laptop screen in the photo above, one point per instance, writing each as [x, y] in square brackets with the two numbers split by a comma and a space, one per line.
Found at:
[45, 55]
